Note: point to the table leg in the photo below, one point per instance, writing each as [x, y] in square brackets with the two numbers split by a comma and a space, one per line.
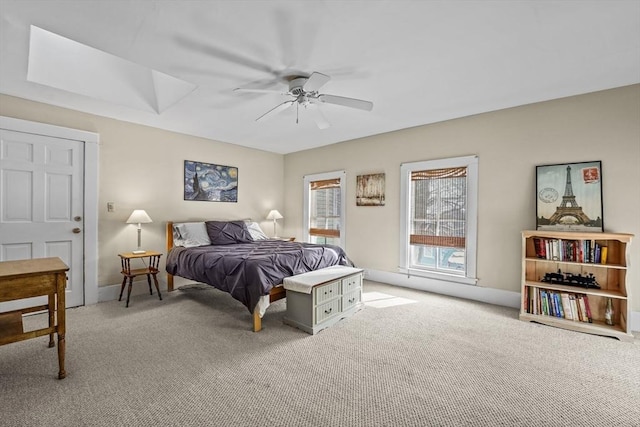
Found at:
[149, 281]
[52, 313]
[155, 280]
[62, 323]
[61, 347]
[129, 290]
[124, 282]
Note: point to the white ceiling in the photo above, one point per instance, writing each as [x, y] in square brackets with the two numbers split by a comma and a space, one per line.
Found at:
[419, 62]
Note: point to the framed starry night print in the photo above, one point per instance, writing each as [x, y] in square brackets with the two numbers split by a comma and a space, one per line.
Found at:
[209, 182]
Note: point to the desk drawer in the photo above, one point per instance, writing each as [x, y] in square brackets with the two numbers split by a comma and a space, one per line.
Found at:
[11, 324]
[27, 287]
[326, 292]
[327, 310]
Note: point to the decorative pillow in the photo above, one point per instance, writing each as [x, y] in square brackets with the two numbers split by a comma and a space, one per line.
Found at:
[255, 231]
[190, 234]
[228, 232]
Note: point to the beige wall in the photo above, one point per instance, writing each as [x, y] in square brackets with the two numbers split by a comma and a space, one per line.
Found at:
[142, 168]
[510, 143]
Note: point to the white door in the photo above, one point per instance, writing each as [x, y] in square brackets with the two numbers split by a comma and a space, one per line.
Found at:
[41, 206]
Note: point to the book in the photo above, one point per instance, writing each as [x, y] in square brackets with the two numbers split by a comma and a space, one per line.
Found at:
[603, 254]
[583, 309]
[560, 312]
[555, 250]
[538, 246]
[578, 315]
[596, 254]
[574, 308]
[538, 302]
[566, 306]
[533, 302]
[552, 303]
[545, 302]
[588, 309]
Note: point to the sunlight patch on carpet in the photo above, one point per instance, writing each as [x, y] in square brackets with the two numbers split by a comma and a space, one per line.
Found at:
[380, 300]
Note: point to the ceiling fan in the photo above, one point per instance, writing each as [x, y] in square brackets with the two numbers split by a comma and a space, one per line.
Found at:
[304, 93]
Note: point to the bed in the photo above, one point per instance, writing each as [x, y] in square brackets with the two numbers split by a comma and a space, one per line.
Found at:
[236, 257]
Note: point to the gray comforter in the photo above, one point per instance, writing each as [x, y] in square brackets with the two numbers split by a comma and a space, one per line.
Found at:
[249, 270]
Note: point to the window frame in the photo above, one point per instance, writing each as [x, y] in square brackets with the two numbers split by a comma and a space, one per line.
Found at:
[471, 231]
[341, 175]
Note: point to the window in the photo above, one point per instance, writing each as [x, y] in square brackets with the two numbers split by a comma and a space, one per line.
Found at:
[324, 200]
[439, 218]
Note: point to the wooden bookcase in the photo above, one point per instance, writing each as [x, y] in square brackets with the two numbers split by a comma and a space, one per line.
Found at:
[611, 277]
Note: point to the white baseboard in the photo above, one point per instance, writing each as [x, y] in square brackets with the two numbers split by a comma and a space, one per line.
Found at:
[471, 292]
[112, 292]
[635, 321]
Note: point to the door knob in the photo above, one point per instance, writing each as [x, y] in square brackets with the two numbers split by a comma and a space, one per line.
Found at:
[77, 218]
[76, 230]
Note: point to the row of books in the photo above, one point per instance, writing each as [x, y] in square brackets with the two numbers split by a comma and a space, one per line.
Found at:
[567, 305]
[587, 251]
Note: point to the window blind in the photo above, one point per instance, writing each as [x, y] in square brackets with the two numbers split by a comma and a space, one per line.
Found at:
[325, 208]
[325, 183]
[438, 207]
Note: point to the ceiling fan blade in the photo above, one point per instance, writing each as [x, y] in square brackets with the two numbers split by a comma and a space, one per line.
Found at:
[241, 89]
[275, 110]
[220, 53]
[315, 81]
[347, 102]
[318, 117]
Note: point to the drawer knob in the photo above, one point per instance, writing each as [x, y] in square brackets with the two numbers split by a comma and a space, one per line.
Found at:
[328, 311]
[351, 300]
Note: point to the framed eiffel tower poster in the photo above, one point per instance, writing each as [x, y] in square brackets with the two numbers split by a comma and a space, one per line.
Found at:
[569, 197]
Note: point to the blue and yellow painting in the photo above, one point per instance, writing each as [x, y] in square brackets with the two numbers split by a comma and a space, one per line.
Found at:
[211, 183]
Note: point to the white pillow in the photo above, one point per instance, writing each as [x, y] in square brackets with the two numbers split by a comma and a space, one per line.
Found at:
[190, 234]
[255, 231]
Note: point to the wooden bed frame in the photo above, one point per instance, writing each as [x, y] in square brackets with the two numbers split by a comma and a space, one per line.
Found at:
[277, 292]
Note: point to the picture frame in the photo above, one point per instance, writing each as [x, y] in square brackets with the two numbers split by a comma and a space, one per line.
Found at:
[370, 190]
[569, 197]
[210, 182]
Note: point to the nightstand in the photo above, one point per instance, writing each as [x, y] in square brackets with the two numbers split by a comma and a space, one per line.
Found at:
[151, 269]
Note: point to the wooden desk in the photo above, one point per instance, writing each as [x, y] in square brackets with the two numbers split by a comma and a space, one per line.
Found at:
[150, 270]
[32, 278]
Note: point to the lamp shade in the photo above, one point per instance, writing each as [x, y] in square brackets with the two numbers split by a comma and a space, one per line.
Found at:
[274, 214]
[139, 216]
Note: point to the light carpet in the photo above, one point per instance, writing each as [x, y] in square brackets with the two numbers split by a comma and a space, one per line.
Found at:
[431, 360]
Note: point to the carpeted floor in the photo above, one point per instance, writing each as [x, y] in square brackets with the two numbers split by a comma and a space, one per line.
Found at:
[416, 360]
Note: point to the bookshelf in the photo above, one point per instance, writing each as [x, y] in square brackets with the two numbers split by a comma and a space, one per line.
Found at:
[559, 269]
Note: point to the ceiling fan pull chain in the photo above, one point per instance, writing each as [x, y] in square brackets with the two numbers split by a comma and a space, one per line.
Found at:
[297, 111]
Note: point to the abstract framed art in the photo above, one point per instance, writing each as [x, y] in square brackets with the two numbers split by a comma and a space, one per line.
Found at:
[210, 182]
[569, 197]
[370, 190]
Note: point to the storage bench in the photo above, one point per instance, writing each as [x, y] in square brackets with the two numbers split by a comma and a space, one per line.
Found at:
[320, 298]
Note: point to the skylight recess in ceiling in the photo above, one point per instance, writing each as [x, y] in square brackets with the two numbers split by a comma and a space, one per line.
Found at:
[65, 64]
